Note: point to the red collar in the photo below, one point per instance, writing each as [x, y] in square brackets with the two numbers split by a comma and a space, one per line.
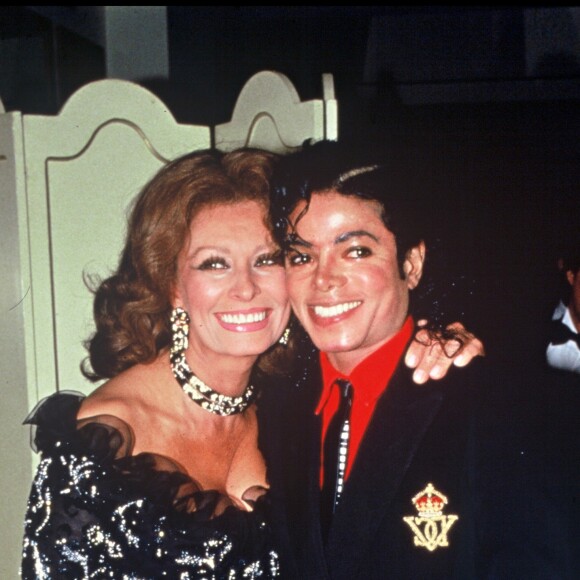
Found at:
[371, 376]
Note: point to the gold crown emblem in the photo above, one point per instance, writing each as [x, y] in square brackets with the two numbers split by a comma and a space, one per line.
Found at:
[430, 526]
[429, 502]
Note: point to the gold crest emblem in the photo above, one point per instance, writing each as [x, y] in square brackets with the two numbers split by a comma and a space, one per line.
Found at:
[430, 526]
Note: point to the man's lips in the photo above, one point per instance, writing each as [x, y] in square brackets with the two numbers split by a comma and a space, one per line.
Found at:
[244, 321]
[333, 313]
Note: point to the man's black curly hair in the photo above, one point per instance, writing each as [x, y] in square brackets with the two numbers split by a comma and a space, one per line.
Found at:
[360, 172]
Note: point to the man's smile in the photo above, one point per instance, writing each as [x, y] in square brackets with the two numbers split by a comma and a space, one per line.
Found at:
[335, 309]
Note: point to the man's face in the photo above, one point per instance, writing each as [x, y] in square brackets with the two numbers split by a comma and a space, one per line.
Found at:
[343, 278]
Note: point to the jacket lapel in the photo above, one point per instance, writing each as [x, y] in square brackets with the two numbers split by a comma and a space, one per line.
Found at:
[302, 473]
[401, 418]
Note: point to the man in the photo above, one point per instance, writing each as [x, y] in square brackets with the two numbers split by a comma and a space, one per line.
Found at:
[563, 351]
[414, 497]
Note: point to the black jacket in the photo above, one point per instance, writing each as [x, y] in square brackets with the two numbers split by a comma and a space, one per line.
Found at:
[477, 436]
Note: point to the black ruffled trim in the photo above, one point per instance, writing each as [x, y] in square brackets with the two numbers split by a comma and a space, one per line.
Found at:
[171, 494]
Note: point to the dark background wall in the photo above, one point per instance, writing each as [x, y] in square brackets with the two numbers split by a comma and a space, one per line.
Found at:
[487, 97]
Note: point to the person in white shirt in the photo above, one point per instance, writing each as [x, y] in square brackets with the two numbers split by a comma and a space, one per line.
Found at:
[563, 351]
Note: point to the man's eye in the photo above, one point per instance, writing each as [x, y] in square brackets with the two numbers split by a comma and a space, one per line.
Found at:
[359, 252]
[298, 259]
[271, 259]
[213, 264]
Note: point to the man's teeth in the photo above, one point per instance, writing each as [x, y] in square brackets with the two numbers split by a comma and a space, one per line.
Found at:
[329, 311]
[243, 318]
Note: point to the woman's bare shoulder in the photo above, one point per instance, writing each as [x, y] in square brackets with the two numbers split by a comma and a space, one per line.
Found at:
[131, 396]
[115, 397]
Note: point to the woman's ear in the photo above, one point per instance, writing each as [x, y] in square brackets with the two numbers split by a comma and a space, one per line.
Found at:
[413, 265]
[175, 298]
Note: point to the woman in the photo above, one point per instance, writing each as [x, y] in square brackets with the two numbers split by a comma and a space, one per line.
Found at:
[158, 472]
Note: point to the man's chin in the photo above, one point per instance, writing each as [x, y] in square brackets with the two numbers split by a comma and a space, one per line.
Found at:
[334, 346]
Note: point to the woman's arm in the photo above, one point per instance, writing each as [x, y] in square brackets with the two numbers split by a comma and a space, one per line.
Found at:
[65, 536]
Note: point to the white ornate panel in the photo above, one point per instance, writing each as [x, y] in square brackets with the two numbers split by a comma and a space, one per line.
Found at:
[83, 167]
[270, 115]
[15, 454]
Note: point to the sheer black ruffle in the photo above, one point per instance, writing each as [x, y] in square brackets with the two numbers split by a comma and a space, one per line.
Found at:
[96, 509]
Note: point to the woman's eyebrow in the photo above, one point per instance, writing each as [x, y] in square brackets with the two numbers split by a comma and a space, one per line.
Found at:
[194, 252]
[298, 241]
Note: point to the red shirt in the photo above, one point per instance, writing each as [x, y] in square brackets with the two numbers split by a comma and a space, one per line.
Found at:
[370, 379]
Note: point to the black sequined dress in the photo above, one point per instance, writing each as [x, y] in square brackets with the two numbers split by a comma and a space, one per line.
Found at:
[96, 511]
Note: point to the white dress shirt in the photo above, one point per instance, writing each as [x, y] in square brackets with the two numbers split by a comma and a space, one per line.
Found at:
[564, 356]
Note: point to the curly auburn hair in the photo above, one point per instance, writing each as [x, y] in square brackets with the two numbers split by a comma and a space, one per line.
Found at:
[132, 307]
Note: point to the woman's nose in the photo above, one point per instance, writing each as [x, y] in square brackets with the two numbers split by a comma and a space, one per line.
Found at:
[245, 286]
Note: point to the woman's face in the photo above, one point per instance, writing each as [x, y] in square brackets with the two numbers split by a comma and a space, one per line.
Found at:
[231, 281]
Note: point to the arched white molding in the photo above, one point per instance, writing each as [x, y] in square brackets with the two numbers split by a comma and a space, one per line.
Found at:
[270, 115]
[330, 108]
[101, 102]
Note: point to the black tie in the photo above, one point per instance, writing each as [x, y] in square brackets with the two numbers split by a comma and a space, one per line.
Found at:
[335, 454]
[561, 334]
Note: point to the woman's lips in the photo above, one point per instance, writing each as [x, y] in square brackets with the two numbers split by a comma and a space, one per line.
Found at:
[244, 320]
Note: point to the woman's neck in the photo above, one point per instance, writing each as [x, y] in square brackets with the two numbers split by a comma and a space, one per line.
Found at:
[227, 375]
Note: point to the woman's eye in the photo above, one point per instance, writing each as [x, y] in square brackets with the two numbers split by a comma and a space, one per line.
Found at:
[359, 252]
[213, 264]
[297, 259]
[271, 259]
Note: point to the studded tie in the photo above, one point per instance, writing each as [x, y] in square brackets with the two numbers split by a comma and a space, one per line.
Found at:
[335, 454]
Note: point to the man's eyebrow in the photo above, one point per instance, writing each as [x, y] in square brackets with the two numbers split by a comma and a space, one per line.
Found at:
[297, 241]
[354, 234]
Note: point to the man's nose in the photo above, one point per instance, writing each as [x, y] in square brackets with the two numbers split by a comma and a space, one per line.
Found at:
[328, 275]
